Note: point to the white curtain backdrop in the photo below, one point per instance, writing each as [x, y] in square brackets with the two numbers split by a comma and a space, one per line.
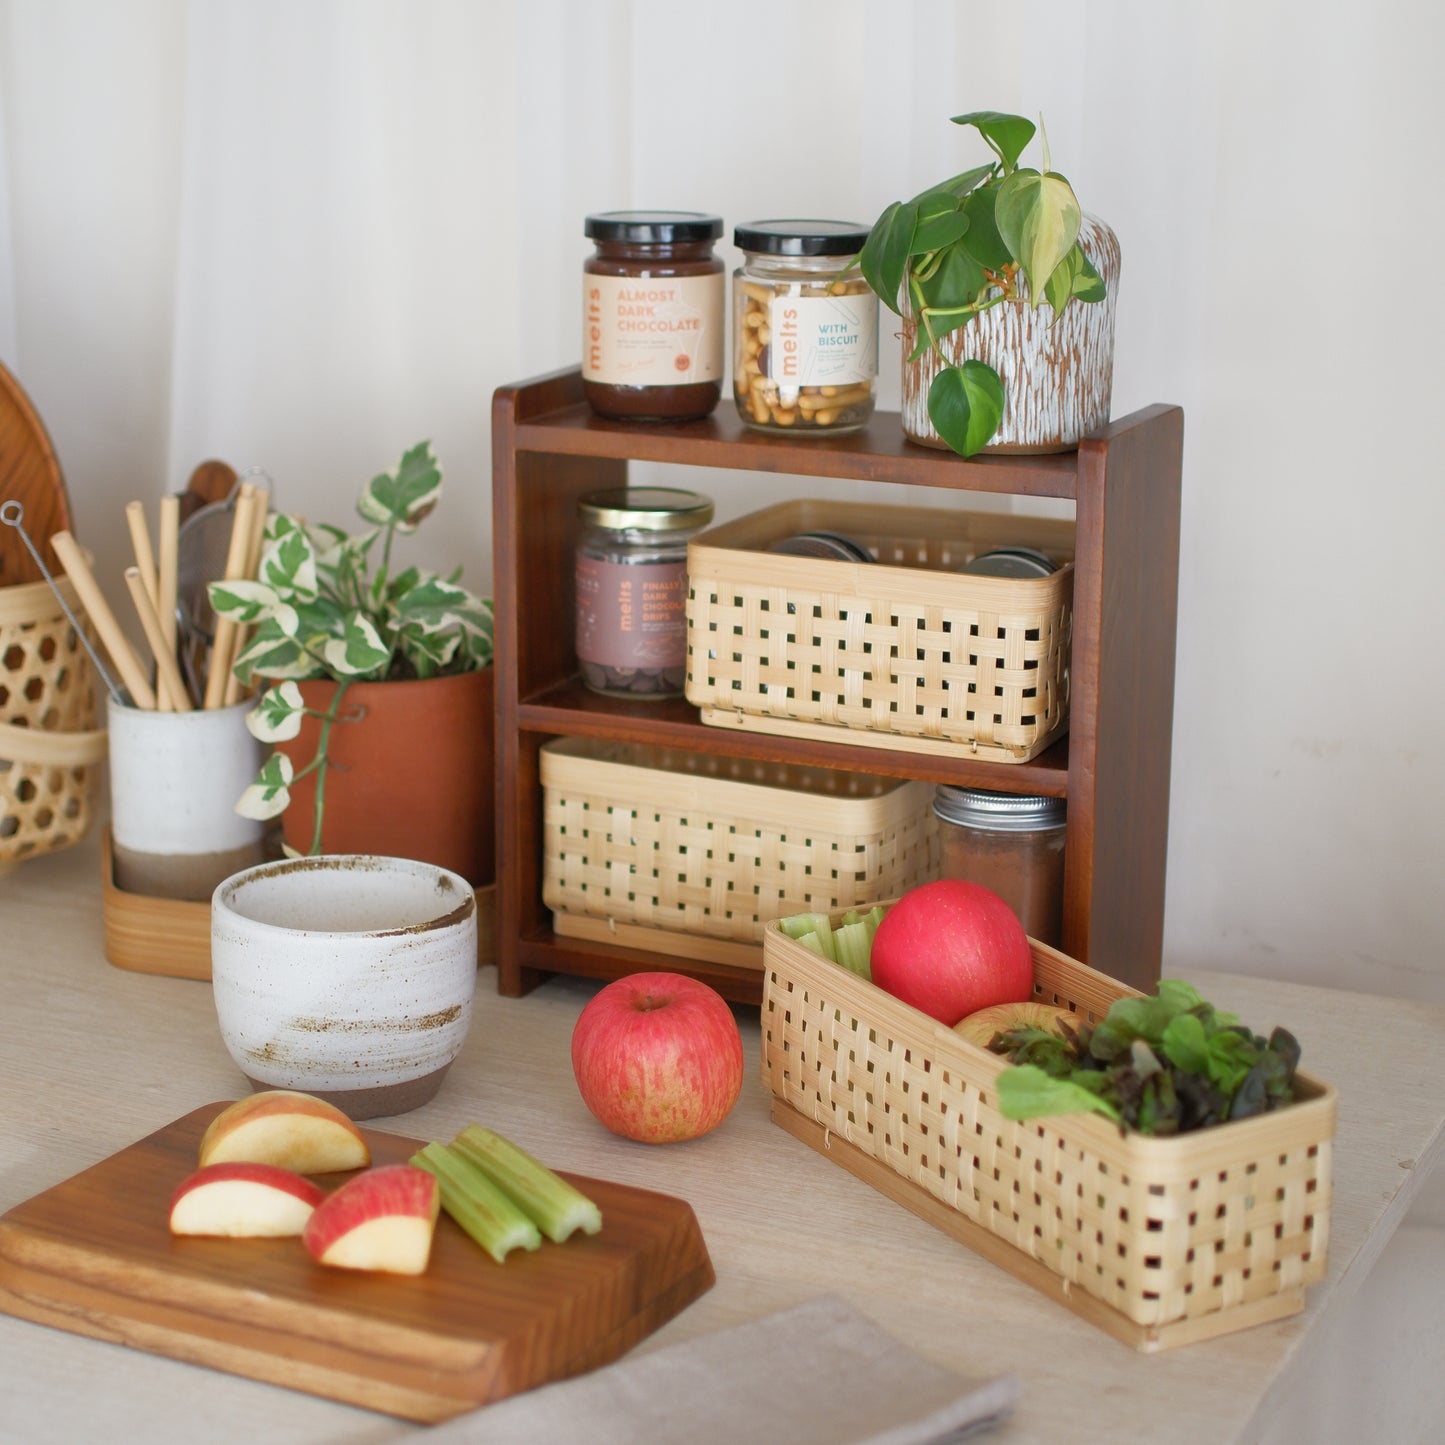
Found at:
[307, 233]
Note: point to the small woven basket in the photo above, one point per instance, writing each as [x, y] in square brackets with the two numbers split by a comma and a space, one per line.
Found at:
[1161, 1241]
[689, 854]
[49, 745]
[906, 652]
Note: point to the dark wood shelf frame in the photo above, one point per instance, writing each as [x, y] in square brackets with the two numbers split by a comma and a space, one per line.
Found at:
[548, 449]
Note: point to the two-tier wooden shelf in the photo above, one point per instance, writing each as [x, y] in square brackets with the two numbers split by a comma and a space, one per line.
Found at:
[1112, 766]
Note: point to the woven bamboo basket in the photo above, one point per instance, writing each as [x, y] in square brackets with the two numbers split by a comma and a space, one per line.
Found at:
[1161, 1241]
[905, 653]
[690, 855]
[49, 745]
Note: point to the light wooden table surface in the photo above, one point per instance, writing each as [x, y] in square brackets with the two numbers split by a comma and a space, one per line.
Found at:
[93, 1058]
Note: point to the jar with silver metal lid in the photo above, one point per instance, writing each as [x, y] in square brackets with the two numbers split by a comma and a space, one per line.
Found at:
[1011, 844]
[631, 570]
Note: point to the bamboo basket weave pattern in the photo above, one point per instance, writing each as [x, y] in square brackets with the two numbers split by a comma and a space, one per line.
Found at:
[1178, 1238]
[906, 652]
[48, 740]
[692, 845]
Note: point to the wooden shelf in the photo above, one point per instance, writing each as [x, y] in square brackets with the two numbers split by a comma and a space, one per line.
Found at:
[548, 449]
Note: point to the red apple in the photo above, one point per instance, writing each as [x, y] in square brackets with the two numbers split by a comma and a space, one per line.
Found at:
[658, 1057]
[289, 1129]
[243, 1201]
[951, 948]
[383, 1219]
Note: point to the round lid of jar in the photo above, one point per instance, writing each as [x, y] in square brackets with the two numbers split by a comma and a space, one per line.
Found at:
[1011, 562]
[646, 509]
[653, 227]
[997, 812]
[801, 238]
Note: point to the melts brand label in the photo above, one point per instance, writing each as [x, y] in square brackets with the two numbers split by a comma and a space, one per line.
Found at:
[652, 331]
[632, 614]
[822, 340]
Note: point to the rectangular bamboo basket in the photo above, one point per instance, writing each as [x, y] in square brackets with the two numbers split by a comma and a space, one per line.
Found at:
[690, 855]
[906, 652]
[1160, 1241]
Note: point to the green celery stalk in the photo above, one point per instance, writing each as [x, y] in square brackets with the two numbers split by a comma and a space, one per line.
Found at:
[556, 1208]
[484, 1211]
[812, 942]
[854, 942]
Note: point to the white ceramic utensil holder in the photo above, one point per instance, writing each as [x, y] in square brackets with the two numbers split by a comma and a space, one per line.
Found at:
[345, 976]
[175, 778]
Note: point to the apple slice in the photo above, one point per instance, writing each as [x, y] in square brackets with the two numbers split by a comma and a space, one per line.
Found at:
[289, 1129]
[383, 1219]
[1001, 1018]
[243, 1200]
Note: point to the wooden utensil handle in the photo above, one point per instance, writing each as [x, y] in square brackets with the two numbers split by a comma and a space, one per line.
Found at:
[168, 674]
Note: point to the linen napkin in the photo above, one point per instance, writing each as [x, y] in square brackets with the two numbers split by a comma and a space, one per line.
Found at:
[821, 1372]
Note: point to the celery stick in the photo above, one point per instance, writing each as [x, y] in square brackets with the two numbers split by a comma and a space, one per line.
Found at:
[854, 943]
[554, 1206]
[797, 924]
[483, 1210]
[813, 942]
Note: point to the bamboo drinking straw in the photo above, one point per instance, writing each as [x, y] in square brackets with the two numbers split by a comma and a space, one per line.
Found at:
[93, 600]
[223, 649]
[261, 508]
[167, 570]
[140, 541]
[168, 674]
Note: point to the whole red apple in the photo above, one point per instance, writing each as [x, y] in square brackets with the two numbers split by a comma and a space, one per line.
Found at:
[951, 948]
[658, 1057]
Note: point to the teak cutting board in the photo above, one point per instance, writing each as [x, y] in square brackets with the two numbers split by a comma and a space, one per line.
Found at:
[94, 1255]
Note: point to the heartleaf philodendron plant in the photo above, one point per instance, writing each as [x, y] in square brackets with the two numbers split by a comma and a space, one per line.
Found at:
[999, 232]
[319, 610]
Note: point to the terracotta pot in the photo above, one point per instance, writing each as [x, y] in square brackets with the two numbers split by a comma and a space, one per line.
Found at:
[1057, 375]
[410, 775]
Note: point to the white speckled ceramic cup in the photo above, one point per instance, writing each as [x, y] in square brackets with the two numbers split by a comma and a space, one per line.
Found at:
[345, 976]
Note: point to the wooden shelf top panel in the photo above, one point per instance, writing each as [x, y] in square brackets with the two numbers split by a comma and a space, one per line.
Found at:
[571, 709]
[877, 453]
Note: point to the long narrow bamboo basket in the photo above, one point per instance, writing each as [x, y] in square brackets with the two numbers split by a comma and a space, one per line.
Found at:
[1160, 1241]
[906, 652]
[687, 854]
[49, 744]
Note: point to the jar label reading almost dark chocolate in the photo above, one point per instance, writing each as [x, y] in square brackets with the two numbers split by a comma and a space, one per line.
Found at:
[632, 615]
[652, 331]
[822, 340]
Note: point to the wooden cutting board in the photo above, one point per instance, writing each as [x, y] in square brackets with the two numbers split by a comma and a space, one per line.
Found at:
[94, 1255]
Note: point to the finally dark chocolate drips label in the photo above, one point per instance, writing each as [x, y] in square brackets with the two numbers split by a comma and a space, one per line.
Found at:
[632, 614]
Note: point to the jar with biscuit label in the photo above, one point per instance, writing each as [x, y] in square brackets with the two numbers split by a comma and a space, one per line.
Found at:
[805, 327]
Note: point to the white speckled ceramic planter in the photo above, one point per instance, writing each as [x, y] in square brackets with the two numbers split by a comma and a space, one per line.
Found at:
[1058, 376]
[345, 976]
[174, 781]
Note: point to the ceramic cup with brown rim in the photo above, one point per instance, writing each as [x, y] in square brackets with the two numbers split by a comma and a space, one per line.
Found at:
[346, 976]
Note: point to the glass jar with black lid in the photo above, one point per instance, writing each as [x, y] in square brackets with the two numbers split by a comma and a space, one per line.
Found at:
[805, 327]
[653, 315]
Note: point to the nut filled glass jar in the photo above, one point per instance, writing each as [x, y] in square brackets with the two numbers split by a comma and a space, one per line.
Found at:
[805, 327]
[653, 315]
[1013, 845]
[632, 588]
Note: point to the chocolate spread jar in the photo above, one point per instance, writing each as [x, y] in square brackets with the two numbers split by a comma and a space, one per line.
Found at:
[653, 315]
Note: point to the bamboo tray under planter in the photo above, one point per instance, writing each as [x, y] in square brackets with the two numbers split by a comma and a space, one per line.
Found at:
[1159, 1241]
[172, 937]
[906, 652]
[690, 854]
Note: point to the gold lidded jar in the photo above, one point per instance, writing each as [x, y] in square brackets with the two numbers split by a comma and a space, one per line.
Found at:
[631, 572]
[1011, 844]
[653, 315]
[805, 328]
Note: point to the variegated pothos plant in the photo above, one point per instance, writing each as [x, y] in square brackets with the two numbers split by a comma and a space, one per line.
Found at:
[327, 604]
[997, 233]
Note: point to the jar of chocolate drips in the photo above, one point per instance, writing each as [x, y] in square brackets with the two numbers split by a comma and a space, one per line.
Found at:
[632, 589]
[653, 315]
[1011, 844]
